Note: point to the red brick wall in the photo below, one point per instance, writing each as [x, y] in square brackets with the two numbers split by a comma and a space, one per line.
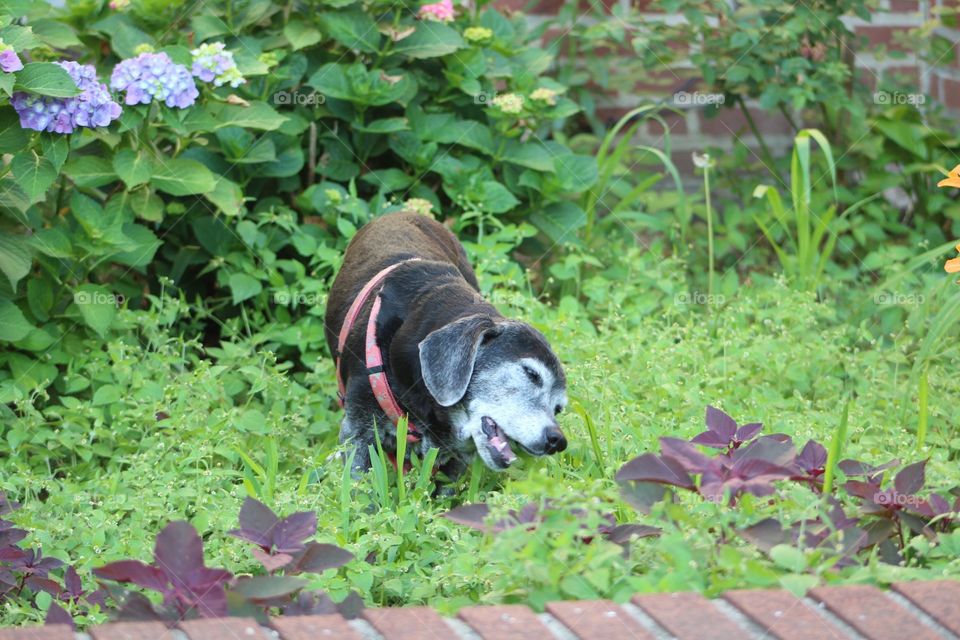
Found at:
[693, 131]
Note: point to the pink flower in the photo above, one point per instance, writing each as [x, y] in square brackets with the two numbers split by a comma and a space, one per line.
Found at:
[441, 11]
[9, 60]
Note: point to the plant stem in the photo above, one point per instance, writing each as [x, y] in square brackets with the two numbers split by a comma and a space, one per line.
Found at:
[764, 150]
[706, 193]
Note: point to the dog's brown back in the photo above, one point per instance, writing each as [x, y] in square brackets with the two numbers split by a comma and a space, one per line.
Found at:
[391, 238]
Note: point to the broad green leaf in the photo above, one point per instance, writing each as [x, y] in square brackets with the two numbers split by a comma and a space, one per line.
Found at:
[55, 148]
[133, 167]
[576, 172]
[430, 40]
[560, 221]
[534, 155]
[357, 84]
[301, 35]
[244, 287]
[141, 246]
[385, 125]
[20, 38]
[15, 257]
[206, 26]
[51, 242]
[13, 137]
[146, 205]
[227, 196]
[90, 171]
[353, 28]
[34, 173]
[40, 298]
[496, 198]
[55, 33]
[97, 306]
[46, 79]
[259, 115]
[107, 394]
[14, 325]
[182, 177]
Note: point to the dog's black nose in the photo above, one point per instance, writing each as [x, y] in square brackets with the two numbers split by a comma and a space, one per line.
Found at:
[554, 441]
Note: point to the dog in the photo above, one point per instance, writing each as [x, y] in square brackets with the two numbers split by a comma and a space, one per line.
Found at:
[470, 381]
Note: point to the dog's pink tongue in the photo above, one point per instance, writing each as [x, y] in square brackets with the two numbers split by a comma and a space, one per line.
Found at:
[503, 447]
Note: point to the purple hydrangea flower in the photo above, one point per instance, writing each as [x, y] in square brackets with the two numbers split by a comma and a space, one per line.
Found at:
[154, 76]
[212, 63]
[94, 107]
[9, 60]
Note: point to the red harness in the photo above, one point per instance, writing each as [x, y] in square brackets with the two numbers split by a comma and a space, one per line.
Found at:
[374, 357]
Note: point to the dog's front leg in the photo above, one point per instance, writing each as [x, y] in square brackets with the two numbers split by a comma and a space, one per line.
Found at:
[358, 439]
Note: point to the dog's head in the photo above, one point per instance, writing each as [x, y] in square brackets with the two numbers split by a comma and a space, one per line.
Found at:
[502, 384]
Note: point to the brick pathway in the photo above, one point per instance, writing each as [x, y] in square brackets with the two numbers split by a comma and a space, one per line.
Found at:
[909, 611]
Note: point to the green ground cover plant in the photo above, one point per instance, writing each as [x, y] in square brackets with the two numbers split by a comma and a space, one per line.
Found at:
[178, 183]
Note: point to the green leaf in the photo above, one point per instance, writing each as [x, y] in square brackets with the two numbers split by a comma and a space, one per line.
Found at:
[227, 196]
[51, 242]
[388, 179]
[13, 324]
[575, 172]
[385, 125]
[496, 198]
[107, 394]
[354, 29]
[266, 587]
[40, 298]
[90, 171]
[430, 40]
[357, 84]
[133, 167]
[259, 115]
[206, 26]
[46, 79]
[15, 257]
[244, 287]
[140, 247]
[182, 177]
[34, 173]
[55, 33]
[18, 37]
[146, 205]
[55, 148]
[534, 155]
[13, 137]
[301, 35]
[97, 306]
[789, 558]
[560, 221]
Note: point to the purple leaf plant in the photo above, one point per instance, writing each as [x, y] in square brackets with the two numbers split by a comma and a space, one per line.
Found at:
[748, 463]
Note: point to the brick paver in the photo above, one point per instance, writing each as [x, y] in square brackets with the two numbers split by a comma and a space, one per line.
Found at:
[409, 623]
[49, 632]
[600, 620]
[314, 628]
[939, 599]
[782, 615]
[872, 613]
[223, 629]
[854, 612]
[511, 622]
[131, 631]
[689, 616]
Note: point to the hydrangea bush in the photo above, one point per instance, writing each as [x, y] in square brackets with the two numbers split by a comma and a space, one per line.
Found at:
[227, 157]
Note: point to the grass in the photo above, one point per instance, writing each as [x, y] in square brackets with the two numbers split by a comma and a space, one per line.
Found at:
[98, 482]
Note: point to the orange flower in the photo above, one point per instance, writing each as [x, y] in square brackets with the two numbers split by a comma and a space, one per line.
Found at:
[953, 266]
[952, 179]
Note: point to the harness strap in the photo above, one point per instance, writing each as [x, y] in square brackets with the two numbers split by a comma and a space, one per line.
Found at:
[373, 355]
[352, 313]
[378, 377]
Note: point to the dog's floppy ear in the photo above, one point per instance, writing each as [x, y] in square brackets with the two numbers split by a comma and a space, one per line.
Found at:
[447, 356]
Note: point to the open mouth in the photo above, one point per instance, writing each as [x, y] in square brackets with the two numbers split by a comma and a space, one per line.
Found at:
[497, 443]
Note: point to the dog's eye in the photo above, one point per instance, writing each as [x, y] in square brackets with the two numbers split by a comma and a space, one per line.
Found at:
[533, 375]
[557, 409]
